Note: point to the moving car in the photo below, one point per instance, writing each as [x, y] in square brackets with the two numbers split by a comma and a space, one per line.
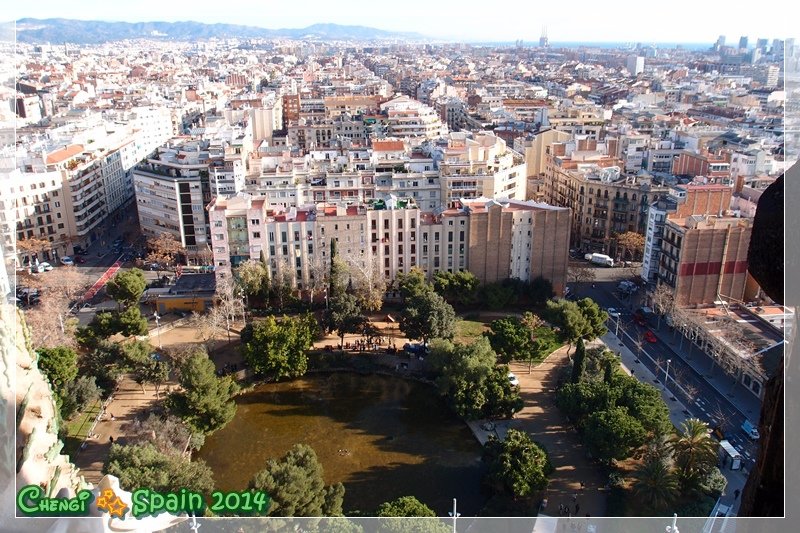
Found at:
[67, 261]
[649, 336]
[512, 378]
[613, 313]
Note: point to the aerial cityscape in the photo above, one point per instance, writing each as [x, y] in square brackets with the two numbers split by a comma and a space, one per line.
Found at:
[374, 269]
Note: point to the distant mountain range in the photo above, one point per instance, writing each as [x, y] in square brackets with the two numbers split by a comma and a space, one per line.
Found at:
[56, 31]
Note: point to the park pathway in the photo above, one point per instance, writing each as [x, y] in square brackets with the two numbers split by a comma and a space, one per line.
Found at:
[544, 422]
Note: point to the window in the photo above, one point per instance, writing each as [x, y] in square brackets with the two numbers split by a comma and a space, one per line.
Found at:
[217, 223]
[400, 224]
[255, 221]
[219, 236]
[385, 224]
[413, 223]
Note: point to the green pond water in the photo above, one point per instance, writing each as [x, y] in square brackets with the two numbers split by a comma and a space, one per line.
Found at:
[383, 437]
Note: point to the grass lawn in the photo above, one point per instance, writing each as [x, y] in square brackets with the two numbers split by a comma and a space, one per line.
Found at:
[467, 331]
[77, 429]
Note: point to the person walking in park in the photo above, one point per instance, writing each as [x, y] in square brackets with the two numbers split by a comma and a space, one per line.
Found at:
[736, 494]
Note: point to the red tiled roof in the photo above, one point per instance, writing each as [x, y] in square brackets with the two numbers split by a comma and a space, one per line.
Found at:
[62, 155]
[387, 146]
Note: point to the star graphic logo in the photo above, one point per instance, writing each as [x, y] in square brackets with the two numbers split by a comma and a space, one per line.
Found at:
[111, 504]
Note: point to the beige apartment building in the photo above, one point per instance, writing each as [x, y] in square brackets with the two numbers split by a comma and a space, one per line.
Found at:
[704, 258]
[494, 240]
[604, 202]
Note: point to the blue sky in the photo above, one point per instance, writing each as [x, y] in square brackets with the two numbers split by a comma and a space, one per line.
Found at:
[470, 20]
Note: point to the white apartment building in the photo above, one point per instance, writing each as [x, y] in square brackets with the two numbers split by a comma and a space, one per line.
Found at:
[408, 118]
[172, 190]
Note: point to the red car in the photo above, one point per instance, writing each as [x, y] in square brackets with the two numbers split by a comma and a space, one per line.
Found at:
[649, 336]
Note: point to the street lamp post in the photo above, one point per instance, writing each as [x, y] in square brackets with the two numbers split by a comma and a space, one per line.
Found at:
[454, 514]
[616, 329]
[666, 376]
[158, 329]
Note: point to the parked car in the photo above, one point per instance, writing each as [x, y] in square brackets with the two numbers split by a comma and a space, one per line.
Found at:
[41, 268]
[512, 378]
[649, 336]
[80, 260]
[750, 430]
[67, 261]
[415, 348]
[612, 312]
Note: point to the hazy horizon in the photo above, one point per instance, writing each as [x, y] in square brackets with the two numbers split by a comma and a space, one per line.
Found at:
[582, 21]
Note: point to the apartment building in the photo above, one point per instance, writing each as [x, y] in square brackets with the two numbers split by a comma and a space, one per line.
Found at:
[704, 258]
[701, 163]
[604, 201]
[172, 189]
[480, 166]
[681, 201]
[493, 240]
[407, 117]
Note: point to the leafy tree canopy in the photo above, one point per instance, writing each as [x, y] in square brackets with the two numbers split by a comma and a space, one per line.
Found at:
[277, 348]
[205, 402]
[517, 465]
[142, 465]
[296, 485]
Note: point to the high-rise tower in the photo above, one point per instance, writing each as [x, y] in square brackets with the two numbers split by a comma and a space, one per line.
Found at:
[543, 42]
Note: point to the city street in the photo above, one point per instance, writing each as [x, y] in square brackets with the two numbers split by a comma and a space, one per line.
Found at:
[708, 393]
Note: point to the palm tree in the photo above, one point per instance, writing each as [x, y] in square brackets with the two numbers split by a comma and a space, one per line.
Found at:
[694, 451]
[655, 484]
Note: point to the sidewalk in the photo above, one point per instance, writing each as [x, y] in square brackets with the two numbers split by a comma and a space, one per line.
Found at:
[742, 399]
[677, 411]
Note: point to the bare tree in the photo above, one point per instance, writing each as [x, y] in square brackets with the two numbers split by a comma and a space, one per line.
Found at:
[663, 301]
[33, 246]
[164, 249]
[229, 302]
[581, 274]
[284, 283]
[207, 325]
[369, 282]
[632, 243]
[317, 277]
[202, 255]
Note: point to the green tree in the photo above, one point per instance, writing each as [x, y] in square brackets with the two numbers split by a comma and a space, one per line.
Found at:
[613, 434]
[578, 362]
[296, 485]
[277, 348]
[499, 296]
[413, 283]
[540, 290]
[127, 287]
[502, 398]
[517, 466]
[473, 384]
[143, 465]
[694, 452]
[655, 484]
[511, 339]
[405, 506]
[153, 372]
[578, 320]
[131, 323]
[205, 402]
[578, 400]
[644, 402]
[458, 288]
[345, 316]
[59, 365]
[595, 317]
[426, 316]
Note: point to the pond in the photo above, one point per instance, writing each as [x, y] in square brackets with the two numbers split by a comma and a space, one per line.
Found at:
[382, 437]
